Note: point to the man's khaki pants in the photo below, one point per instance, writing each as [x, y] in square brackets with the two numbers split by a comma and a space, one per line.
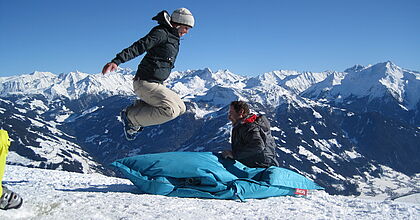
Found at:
[158, 104]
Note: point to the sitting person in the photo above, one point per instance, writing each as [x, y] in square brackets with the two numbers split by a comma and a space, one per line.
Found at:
[251, 141]
[8, 199]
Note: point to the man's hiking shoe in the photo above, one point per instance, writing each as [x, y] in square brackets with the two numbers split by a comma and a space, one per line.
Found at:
[130, 131]
[10, 200]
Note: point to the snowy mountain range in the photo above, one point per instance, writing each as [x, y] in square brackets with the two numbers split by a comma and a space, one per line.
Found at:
[345, 130]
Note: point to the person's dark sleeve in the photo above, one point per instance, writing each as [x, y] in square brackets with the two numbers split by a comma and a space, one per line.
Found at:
[155, 37]
[253, 144]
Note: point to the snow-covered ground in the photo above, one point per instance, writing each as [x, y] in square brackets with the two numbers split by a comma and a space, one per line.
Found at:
[51, 194]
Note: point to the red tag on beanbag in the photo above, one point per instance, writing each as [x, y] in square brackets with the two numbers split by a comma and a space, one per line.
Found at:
[303, 192]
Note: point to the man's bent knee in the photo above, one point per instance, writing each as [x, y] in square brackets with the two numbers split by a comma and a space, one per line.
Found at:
[170, 112]
[182, 108]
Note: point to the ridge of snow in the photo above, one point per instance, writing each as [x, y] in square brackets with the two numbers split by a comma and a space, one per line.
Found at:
[71, 85]
[199, 83]
[293, 80]
[67, 195]
[373, 81]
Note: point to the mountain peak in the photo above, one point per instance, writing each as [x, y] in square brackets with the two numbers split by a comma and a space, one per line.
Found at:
[42, 74]
[125, 71]
[387, 64]
[375, 82]
[387, 69]
[355, 68]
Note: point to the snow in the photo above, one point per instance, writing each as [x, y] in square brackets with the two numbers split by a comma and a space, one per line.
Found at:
[52, 194]
[273, 88]
[317, 169]
[36, 123]
[322, 144]
[316, 114]
[71, 85]
[38, 104]
[285, 150]
[313, 130]
[415, 198]
[390, 181]
[196, 83]
[202, 112]
[16, 158]
[62, 118]
[352, 154]
[298, 131]
[309, 155]
[23, 111]
[91, 110]
[373, 81]
[295, 81]
[49, 150]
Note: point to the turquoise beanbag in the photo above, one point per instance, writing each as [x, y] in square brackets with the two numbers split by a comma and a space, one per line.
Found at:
[208, 175]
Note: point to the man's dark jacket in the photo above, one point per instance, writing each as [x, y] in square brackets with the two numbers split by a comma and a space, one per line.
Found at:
[252, 143]
[161, 45]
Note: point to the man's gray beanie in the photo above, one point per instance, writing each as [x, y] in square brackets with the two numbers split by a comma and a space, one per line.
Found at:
[183, 16]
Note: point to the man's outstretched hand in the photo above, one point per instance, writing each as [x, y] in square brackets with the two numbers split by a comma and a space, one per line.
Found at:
[109, 67]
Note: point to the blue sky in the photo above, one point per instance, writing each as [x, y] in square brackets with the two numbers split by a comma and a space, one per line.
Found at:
[246, 37]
